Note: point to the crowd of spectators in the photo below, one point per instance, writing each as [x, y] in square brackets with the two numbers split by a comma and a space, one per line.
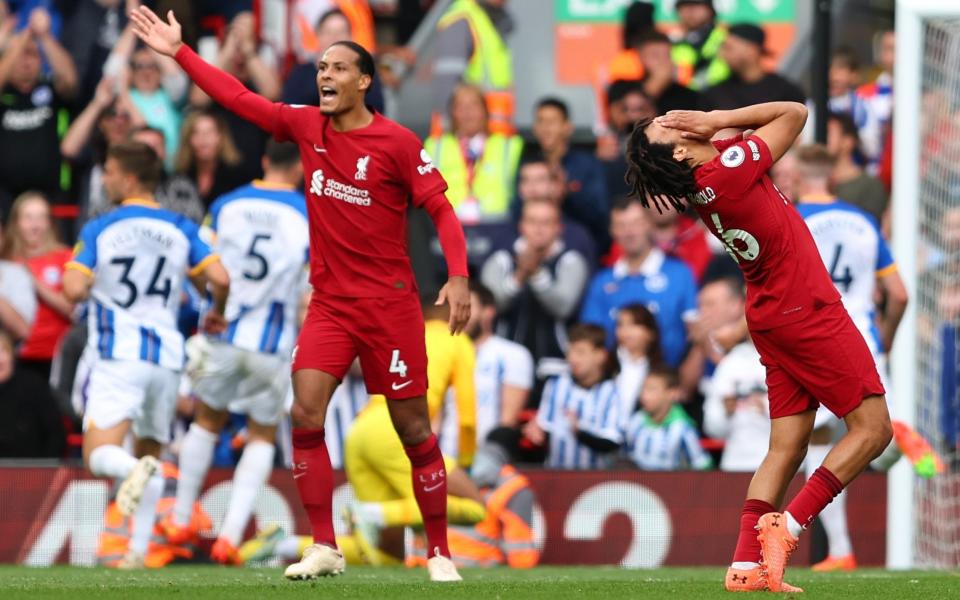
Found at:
[633, 320]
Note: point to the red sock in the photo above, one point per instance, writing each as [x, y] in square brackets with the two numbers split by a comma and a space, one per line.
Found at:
[314, 478]
[748, 547]
[822, 487]
[430, 490]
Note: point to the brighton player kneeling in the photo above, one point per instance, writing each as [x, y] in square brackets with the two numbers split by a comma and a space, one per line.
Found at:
[132, 264]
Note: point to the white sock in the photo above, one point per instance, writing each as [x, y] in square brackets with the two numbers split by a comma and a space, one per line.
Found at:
[371, 512]
[887, 458]
[746, 566]
[252, 472]
[196, 454]
[793, 526]
[111, 461]
[289, 548]
[834, 515]
[146, 515]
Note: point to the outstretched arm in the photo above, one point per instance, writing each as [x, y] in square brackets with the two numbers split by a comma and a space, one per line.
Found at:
[777, 123]
[165, 38]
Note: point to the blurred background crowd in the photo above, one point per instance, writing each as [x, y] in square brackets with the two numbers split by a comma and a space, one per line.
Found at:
[597, 294]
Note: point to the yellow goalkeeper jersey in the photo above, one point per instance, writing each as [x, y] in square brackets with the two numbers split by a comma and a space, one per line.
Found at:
[450, 365]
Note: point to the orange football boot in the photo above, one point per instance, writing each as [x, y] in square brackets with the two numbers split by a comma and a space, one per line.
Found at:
[776, 546]
[836, 563]
[177, 534]
[918, 451]
[225, 553]
[751, 580]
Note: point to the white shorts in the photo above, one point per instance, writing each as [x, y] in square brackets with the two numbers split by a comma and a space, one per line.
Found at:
[825, 418]
[107, 392]
[242, 381]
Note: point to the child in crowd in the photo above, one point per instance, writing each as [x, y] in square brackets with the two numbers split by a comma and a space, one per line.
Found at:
[580, 410]
[638, 347]
[661, 436]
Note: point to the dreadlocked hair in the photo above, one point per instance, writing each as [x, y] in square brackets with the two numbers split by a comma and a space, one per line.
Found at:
[653, 174]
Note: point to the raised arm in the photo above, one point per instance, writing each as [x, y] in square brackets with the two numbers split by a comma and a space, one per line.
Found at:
[65, 78]
[777, 123]
[165, 38]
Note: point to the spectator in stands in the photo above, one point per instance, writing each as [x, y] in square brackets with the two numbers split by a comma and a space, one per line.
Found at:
[504, 372]
[537, 285]
[301, 84]
[720, 322]
[208, 156]
[659, 81]
[176, 191]
[785, 175]
[661, 436]
[32, 108]
[540, 181]
[579, 414]
[875, 103]
[18, 300]
[471, 48]
[842, 79]
[749, 82]
[31, 240]
[627, 104]
[91, 29]
[107, 119]
[645, 275]
[305, 41]
[480, 165]
[638, 348]
[736, 409]
[240, 56]
[586, 199]
[696, 49]
[850, 182]
[30, 426]
[682, 236]
[157, 86]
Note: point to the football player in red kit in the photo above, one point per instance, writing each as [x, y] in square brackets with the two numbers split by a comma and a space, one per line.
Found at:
[361, 172]
[810, 347]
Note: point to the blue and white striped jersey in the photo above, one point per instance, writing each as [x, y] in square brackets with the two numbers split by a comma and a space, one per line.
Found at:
[499, 362]
[667, 446]
[855, 254]
[260, 231]
[139, 256]
[347, 402]
[598, 413]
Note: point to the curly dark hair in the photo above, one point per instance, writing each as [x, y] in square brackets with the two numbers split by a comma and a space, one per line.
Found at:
[653, 174]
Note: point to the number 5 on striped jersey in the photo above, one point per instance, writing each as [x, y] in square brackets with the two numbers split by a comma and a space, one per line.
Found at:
[396, 365]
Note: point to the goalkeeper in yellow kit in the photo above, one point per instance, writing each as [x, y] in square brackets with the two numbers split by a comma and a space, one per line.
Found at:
[379, 471]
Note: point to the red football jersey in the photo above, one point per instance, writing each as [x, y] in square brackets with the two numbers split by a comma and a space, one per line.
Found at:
[359, 185]
[763, 233]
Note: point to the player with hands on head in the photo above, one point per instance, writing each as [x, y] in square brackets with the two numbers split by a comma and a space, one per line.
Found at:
[812, 351]
[361, 171]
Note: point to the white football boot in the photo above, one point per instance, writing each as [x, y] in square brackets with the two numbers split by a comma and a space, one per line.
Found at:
[318, 561]
[131, 561]
[442, 568]
[131, 490]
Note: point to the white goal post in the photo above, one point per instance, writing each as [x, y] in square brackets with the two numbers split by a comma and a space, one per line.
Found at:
[927, 71]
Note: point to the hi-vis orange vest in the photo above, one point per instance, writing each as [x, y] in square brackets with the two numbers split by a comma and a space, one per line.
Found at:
[117, 529]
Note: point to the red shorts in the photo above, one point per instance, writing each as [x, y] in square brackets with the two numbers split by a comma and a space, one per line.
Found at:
[820, 360]
[386, 333]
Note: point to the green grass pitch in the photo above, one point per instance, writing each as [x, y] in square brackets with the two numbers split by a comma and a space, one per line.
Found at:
[553, 583]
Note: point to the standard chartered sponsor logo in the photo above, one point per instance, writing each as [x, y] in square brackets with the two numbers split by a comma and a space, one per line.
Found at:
[344, 192]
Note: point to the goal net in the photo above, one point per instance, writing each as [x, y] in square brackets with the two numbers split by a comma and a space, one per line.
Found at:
[924, 519]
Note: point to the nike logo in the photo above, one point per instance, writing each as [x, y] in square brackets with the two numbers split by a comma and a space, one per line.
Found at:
[318, 149]
[430, 488]
[299, 475]
[401, 386]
